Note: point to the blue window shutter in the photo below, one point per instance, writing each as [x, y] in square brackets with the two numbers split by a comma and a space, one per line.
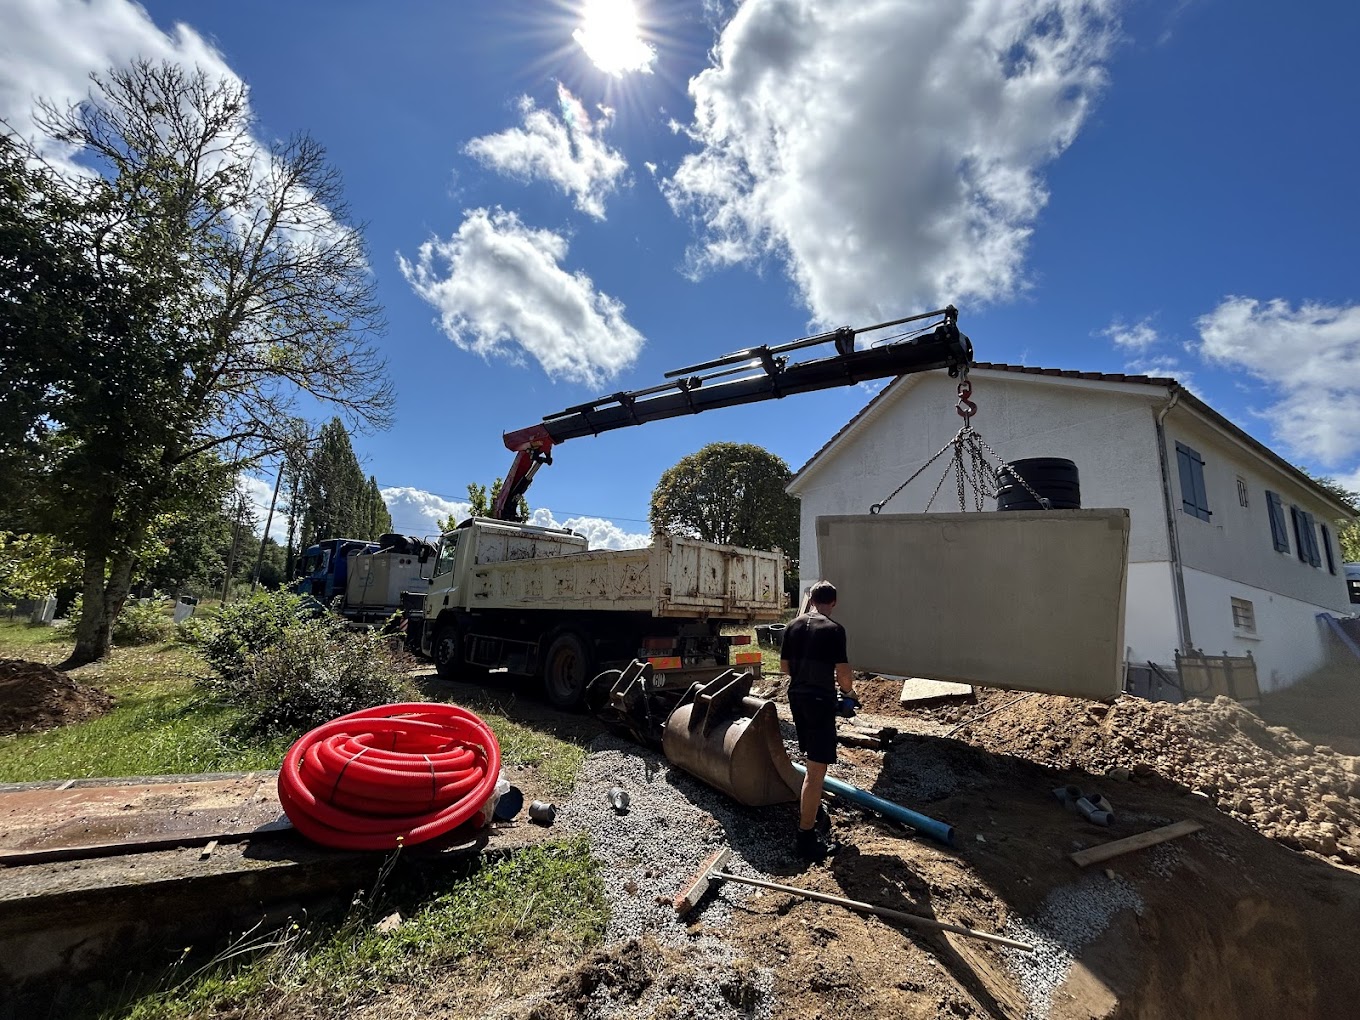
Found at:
[1279, 531]
[1194, 497]
[1310, 524]
[1300, 536]
[1327, 548]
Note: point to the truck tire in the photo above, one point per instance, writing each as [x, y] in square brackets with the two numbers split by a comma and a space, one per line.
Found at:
[448, 656]
[567, 670]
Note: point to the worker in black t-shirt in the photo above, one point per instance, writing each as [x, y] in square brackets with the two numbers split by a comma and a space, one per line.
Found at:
[813, 655]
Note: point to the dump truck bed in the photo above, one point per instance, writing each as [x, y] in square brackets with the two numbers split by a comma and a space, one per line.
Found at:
[674, 577]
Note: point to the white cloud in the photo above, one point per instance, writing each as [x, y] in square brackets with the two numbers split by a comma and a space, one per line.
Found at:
[417, 512]
[568, 151]
[50, 47]
[1138, 337]
[1310, 357]
[599, 532]
[891, 154]
[500, 290]
[259, 492]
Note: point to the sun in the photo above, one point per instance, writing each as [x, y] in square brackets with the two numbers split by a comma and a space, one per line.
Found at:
[609, 34]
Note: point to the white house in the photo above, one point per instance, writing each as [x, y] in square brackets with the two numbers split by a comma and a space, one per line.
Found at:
[1232, 549]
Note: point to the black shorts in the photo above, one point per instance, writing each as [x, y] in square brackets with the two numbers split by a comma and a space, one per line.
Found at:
[814, 717]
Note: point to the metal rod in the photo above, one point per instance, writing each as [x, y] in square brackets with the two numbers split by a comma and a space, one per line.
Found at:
[868, 908]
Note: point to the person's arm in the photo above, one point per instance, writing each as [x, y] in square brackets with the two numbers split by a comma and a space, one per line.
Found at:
[787, 647]
[845, 678]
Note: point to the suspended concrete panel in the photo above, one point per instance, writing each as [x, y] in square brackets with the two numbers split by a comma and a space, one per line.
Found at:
[1029, 600]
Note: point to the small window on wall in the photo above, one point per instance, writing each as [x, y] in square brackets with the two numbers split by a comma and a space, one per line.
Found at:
[1241, 491]
[1194, 501]
[1244, 616]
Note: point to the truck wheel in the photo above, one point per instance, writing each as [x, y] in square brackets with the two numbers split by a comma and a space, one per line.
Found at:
[447, 657]
[566, 671]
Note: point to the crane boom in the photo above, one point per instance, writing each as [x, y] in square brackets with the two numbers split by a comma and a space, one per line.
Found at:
[762, 373]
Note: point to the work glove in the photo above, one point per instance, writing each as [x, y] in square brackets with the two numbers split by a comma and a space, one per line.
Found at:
[847, 706]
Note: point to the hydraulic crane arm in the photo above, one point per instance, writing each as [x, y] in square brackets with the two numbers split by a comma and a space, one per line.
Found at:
[764, 373]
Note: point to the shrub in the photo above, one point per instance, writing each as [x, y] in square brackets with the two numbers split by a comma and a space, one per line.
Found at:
[141, 623]
[243, 629]
[315, 671]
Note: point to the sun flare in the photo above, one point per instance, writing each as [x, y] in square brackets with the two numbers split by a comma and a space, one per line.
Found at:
[609, 34]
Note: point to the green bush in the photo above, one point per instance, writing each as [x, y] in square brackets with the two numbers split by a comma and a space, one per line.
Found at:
[141, 623]
[242, 629]
[314, 672]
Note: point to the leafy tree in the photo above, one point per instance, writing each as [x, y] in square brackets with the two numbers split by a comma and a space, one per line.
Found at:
[333, 490]
[34, 566]
[175, 303]
[1347, 529]
[481, 503]
[731, 493]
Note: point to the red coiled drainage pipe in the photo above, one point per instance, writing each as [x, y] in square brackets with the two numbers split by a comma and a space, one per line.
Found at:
[391, 775]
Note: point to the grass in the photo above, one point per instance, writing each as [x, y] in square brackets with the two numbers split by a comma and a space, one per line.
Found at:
[160, 724]
[456, 929]
[558, 761]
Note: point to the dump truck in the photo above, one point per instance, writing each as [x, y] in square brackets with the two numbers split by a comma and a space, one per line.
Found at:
[363, 581]
[532, 601]
[538, 602]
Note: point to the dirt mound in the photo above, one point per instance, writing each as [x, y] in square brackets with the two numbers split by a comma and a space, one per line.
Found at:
[1323, 709]
[1267, 776]
[642, 978]
[36, 697]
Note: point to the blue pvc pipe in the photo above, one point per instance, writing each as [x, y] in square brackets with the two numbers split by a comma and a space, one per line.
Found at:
[938, 831]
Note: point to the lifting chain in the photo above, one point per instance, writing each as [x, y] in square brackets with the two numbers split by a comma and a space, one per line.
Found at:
[969, 463]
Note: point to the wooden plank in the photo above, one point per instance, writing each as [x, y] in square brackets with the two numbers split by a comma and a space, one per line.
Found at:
[1103, 852]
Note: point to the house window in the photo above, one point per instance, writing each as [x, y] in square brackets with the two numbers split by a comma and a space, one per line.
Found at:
[1244, 616]
[1241, 491]
[1305, 537]
[1279, 531]
[1327, 548]
[1193, 498]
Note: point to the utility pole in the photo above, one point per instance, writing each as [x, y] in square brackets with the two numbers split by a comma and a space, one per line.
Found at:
[235, 539]
[268, 522]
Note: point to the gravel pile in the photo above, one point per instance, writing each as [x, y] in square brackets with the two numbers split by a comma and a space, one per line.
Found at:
[1073, 916]
[673, 824]
[1268, 777]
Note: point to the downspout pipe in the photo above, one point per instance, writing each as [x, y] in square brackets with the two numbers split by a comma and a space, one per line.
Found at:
[1173, 526]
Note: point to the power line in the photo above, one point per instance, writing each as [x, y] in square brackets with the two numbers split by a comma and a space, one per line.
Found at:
[569, 513]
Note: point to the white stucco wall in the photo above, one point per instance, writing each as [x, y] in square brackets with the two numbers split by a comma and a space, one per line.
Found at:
[1108, 431]
[1235, 543]
[1150, 614]
[1288, 643]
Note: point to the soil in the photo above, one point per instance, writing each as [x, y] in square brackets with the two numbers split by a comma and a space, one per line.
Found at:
[1252, 916]
[36, 697]
[1248, 917]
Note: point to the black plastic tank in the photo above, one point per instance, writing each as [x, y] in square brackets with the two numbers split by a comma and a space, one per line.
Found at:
[1052, 478]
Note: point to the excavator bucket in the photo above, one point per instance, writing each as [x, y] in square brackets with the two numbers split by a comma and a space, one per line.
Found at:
[730, 740]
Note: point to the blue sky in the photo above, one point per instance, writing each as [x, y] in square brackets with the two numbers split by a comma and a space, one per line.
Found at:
[1098, 185]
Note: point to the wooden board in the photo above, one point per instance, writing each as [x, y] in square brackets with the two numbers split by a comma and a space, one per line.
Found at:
[98, 817]
[1103, 852]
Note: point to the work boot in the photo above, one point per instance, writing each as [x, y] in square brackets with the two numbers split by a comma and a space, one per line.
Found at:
[811, 846]
[822, 823]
